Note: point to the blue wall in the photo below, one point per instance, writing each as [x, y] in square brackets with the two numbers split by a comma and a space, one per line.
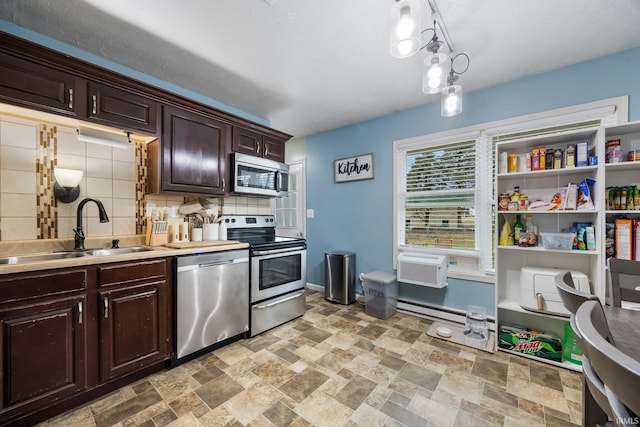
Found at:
[358, 216]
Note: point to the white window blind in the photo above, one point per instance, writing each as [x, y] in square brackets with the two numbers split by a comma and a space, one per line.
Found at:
[439, 196]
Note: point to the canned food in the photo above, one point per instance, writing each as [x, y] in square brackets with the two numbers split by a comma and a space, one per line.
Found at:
[513, 206]
[524, 203]
[503, 201]
[633, 156]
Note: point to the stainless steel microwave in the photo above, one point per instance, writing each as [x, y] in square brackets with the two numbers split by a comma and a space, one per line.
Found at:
[259, 177]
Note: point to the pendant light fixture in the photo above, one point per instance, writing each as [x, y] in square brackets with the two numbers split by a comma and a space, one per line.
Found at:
[451, 98]
[434, 72]
[406, 22]
[405, 37]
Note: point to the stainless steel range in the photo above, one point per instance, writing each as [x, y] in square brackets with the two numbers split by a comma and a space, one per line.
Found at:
[278, 271]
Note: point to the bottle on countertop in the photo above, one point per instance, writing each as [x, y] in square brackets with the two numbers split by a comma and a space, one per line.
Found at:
[222, 231]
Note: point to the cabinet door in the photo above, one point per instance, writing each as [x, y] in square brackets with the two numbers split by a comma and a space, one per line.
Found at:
[273, 149]
[121, 108]
[246, 141]
[194, 150]
[133, 328]
[43, 353]
[32, 85]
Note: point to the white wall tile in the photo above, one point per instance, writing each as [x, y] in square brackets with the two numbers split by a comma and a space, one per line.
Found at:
[66, 224]
[13, 181]
[18, 134]
[19, 229]
[124, 189]
[16, 158]
[124, 208]
[123, 170]
[99, 151]
[128, 155]
[99, 168]
[124, 226]
[94, 228]
[99, 187]
[19, 205]
[68, 143]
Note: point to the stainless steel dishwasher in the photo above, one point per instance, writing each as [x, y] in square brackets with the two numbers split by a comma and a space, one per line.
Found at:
[211, 301]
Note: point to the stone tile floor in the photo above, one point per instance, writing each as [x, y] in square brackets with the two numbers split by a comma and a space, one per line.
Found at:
[337, 366]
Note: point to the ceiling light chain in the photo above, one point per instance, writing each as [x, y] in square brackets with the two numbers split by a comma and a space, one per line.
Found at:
[406, 40]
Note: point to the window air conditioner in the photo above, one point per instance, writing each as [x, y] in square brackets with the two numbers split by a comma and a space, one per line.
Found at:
[423, 269]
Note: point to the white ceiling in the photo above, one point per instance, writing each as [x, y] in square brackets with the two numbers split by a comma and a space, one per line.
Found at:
[309, 66]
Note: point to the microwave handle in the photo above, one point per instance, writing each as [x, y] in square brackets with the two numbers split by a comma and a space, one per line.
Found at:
[278, 180]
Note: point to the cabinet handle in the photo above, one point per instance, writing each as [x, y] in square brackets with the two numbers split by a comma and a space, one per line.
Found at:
[94, 103]
[266, 150]
[257, 147]
[80, 314]
[106, 308]
[70, 99]
[224, 184]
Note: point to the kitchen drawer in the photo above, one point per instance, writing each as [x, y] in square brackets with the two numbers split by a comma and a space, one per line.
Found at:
[25, 286]
[126, 272]
[276, 311]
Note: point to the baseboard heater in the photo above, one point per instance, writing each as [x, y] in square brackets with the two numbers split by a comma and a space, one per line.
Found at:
[423, 269]
[437, 313]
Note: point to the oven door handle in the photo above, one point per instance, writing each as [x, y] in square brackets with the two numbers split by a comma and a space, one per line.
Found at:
[261, 307]
[278, 251]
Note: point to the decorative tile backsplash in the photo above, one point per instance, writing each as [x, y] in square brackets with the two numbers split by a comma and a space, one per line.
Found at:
[29, 152]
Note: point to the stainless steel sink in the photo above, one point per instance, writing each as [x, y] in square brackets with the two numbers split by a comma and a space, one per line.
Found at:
[22, 259]
[117, 251]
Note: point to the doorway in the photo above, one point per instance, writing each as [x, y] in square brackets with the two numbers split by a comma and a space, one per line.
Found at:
[290, 210]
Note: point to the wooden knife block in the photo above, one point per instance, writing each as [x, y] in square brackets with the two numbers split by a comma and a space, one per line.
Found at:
[155, 239]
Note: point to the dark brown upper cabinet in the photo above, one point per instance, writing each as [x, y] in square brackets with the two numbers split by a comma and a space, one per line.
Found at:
[190, 158]
[31, 85]
[191, 155]
[257, 144]
[121, 108]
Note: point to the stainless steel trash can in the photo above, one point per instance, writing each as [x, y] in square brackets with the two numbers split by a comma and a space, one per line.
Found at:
[340, 277]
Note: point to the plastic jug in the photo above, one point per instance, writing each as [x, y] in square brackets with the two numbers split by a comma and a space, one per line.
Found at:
[570, 350]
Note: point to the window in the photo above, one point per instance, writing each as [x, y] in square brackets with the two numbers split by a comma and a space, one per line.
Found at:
[439, 198]
[441, 185]
[444, 183]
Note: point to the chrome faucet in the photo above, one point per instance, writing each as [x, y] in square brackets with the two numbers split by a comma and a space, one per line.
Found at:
[78, 232]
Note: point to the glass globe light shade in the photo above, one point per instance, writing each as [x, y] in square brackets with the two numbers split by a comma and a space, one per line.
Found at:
[405, 28]
[434, 73]
[451, 101]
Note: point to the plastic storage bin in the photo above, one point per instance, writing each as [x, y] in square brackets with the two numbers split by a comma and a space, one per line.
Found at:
[340, 277]
[380, 294]
[557, 240]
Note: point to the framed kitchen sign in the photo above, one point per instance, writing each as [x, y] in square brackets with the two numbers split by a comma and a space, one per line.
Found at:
[353, 168]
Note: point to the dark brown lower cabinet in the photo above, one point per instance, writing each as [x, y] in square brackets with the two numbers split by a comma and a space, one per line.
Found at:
[132, 329]
[134, 316]
[43, 353]
[68, 336]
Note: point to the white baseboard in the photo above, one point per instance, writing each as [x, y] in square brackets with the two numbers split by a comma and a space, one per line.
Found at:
[315, 287]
